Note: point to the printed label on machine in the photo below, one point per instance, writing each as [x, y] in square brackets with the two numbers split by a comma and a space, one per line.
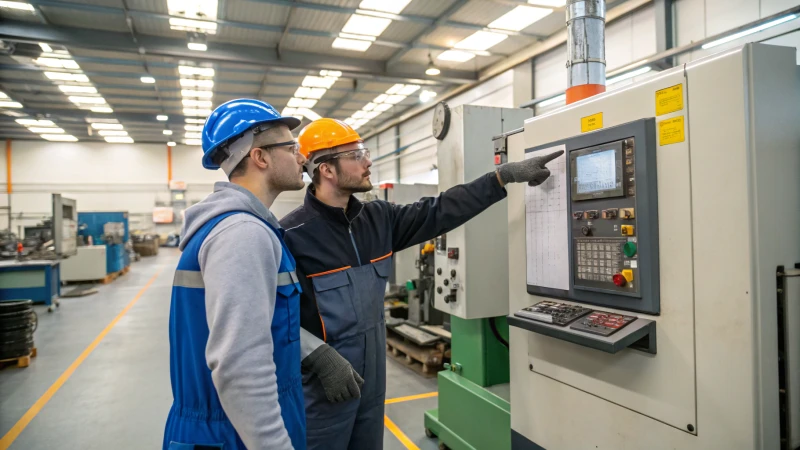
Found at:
[669, 100]
[671, 131]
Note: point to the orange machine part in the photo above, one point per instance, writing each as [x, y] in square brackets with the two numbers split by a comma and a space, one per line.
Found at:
[578, 93]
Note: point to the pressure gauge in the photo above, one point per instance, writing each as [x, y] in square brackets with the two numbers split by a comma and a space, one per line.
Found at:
[441, 120]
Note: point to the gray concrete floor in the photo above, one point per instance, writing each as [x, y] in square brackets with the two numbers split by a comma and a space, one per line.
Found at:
[120, 395]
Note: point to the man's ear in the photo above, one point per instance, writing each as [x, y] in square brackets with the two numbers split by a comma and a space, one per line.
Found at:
[327, 171]
[260, 158]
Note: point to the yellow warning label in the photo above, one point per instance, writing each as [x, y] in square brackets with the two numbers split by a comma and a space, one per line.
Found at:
[671, 131]
[591, 123]
[669, 100]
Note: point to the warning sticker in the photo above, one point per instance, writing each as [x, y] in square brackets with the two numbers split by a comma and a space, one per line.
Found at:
[591, 123]
[669, 100]
[671, 131]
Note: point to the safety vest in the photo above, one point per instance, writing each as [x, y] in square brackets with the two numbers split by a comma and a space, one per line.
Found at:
[196, 418]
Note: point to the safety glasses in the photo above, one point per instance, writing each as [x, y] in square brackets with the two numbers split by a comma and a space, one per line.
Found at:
[358, 155]
[291, 146]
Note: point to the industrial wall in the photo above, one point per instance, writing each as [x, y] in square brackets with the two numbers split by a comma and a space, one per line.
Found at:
[104, 177]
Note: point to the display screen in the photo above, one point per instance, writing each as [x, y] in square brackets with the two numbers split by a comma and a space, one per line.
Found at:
[596, 172]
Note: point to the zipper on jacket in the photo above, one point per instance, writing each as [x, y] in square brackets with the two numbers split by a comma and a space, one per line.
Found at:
[353, 240]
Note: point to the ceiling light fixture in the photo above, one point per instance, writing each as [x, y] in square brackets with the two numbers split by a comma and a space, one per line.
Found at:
[196, 71]
[112, 133]
[119, 140]
[192, 25]
[171, 144]
[148, 80]
[59, 137]
[35, 123]
[167, 132]
[301, 103]
[78, 89]
[481, 40]
[319, 82]
[426, 95]
[45, 130]
[389, 6]
[194, 135]
[366, 25]
[186, 82]
[87, 100]
[750, 31]
[107, 126]
[188, 120]
[162, 117]
[10, 104]
[520, 18]
[102, 109]
[550, 3]
[355, 45]
[196, 103]
[57, 63]
[62, 76]
[628, 75]
[432, 70]
[194, 93]
[16, 5]
[455, 55]
[45, 47]
[193, 142]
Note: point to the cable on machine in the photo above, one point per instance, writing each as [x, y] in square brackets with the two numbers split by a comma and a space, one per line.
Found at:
[18, 322]
[496, 333]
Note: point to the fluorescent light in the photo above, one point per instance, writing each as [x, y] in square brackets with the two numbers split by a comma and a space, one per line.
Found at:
[305, 92]
[162, 117]
[192, 25]
[194, 93]
[481, 40]
[102, 109]
[107, 126]
[57, 63]
[194, 135]
[750, 31]
[381, 98]
[62, 76]
[351, 44]
[553, 101]
[330, 73]
[433, 71]
[628, 75]
[193, 127]
[167, 132]
[10, 104]
[78, 89]
[372, 114]
[112, 133]
[366, 25]
[196, 112]
[383, 107]
[59, 137]
[311, 115]
[455, 55]
[389, 6]
[196, 71]
[193, 9]
[45, 47]
[426, 95]
[45, 130]
[185, 82]
[318, 82]
[3, 95]
[119, 140]
[193, 142]
[408, 89]
[16, 5]
[358, 37]
[520, 18]
[194, 121]
[369, 106]
[87, 100]
[148, 80]
[197, 46]
[101, 120]
[359, 114]
[551, 3]
[395, 89]
[350, 121]
[301, 103]
[288, 112]
[35, 123]
[395, 99]
[197, 103]
[171, 144]
[361, 122]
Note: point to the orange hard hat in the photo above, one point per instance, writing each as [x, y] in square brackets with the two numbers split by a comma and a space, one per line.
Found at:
[325, 133]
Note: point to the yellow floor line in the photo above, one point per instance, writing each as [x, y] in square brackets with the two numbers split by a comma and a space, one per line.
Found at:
[399, 434]
[411, 397]
[26, 419]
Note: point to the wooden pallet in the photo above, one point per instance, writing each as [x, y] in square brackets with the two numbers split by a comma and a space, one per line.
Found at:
[430, 358]
[21, 362]
[105, 280]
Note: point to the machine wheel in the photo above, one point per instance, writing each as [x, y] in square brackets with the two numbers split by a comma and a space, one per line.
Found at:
[443, 446]
[429, 433]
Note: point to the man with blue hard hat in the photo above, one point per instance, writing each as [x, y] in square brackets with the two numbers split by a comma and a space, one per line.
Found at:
[234, 329]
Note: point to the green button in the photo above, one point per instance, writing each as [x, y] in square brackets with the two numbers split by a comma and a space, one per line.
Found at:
[629, 249]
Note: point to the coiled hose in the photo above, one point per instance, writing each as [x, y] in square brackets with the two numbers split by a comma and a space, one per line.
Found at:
[18, 322]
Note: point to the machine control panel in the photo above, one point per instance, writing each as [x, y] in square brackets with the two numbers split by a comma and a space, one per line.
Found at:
[602, 323]
[561, 314]
[603, 180]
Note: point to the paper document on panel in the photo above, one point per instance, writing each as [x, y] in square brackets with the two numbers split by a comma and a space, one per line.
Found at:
[546, 225]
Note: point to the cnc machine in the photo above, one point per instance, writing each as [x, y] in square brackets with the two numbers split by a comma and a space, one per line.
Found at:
[651, 278]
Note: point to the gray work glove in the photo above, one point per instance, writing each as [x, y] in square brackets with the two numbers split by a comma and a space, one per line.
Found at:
[339, 378]
[531, 170]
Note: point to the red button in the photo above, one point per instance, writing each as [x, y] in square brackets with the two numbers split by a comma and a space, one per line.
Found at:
[497, 159]
[619, 280]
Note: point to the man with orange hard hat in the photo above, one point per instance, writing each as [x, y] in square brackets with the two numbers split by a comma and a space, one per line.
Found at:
[343, 249]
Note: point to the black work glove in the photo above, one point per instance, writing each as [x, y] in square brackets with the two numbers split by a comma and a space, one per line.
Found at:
[530, 170]
[338, 377]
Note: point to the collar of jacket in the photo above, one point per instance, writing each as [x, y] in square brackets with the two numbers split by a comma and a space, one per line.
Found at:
[354, 207]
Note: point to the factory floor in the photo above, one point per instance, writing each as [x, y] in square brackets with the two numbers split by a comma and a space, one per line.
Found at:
[101, 377]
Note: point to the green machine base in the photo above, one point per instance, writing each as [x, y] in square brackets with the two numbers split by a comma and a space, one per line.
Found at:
[469, 417]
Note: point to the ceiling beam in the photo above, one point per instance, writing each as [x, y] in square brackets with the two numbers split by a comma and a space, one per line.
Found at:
[418, 38]
[241, 54]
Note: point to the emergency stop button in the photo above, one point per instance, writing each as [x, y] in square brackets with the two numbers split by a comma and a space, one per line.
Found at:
[628, 274]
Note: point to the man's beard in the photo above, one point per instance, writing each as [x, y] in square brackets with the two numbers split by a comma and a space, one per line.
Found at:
[287, 181]
[354, 184]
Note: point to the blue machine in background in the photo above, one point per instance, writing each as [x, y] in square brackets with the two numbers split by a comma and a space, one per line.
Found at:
[94, 224]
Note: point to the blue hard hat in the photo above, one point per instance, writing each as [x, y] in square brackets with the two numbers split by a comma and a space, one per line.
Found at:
[231, 119]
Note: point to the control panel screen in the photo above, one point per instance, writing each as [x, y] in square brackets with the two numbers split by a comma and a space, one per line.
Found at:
[597, 172]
